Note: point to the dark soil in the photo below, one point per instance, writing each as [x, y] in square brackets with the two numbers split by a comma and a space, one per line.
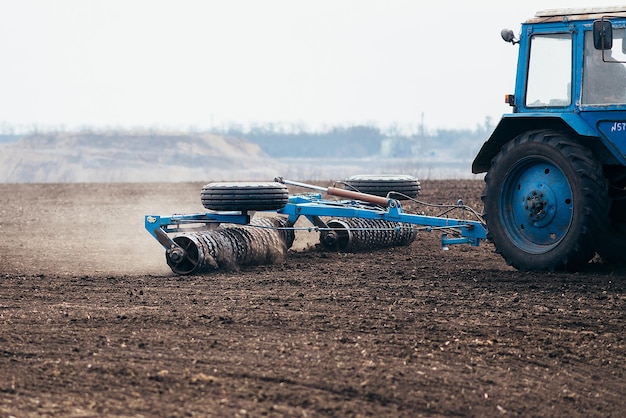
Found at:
[93, 322]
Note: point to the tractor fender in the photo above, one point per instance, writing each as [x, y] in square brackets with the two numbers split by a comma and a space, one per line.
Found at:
[513, 125]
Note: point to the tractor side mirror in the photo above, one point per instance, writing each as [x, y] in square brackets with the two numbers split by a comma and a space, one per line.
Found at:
[602, 35]
[508, 36]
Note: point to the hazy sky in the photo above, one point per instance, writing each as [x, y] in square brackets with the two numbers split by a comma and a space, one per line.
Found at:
[204, 63]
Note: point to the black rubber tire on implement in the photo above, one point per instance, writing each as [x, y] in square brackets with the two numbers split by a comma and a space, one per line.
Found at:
[404, 186]
[239, 196]
[546, 202]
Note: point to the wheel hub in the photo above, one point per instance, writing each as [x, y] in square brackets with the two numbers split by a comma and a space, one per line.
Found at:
[540, 205]
[176, 254]
[535, 205]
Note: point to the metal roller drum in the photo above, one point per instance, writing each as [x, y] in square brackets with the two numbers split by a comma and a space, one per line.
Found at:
[355, 234]
[232, 246]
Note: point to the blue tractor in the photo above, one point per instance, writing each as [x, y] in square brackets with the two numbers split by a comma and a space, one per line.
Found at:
[555, 183]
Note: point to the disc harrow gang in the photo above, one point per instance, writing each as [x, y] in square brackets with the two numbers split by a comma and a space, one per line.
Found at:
[264, 241]
[230, 236]
[353, 234]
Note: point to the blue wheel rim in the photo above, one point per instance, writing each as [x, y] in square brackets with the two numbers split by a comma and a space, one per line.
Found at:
[536, 205]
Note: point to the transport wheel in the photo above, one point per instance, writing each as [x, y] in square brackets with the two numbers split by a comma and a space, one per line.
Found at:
[240, 196]
[404, 186]
[546, 201]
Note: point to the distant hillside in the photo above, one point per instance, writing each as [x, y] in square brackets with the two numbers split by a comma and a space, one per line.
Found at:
[133, 157]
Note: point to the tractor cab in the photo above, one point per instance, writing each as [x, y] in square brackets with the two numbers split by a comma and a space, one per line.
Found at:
[571, 75]
[569, 65]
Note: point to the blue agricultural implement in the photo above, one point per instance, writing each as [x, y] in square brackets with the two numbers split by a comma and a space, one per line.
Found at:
[355, 222]
[555, 182]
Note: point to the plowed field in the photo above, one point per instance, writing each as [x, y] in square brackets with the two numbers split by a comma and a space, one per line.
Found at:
[93, 323]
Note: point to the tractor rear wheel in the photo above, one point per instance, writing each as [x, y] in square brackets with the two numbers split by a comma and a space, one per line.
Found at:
[401, 186]
[238, 196]
[546, 202]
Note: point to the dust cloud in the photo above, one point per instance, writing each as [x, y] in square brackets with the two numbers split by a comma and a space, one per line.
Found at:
[88, 228]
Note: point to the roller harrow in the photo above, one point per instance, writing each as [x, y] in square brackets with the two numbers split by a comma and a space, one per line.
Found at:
[255, 223]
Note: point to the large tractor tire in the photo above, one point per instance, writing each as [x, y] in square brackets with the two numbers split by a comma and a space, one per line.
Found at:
[546, 202]
[404, 186]
[238, 196]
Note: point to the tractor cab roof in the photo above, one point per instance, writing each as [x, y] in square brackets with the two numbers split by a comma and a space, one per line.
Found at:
[580, 13]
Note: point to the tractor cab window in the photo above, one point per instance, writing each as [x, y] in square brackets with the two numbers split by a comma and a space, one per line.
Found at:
[604, 80]
[550, 71]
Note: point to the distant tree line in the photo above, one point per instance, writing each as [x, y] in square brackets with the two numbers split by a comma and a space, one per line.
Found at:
[295, 141]
[363, 141]
[357, 141]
